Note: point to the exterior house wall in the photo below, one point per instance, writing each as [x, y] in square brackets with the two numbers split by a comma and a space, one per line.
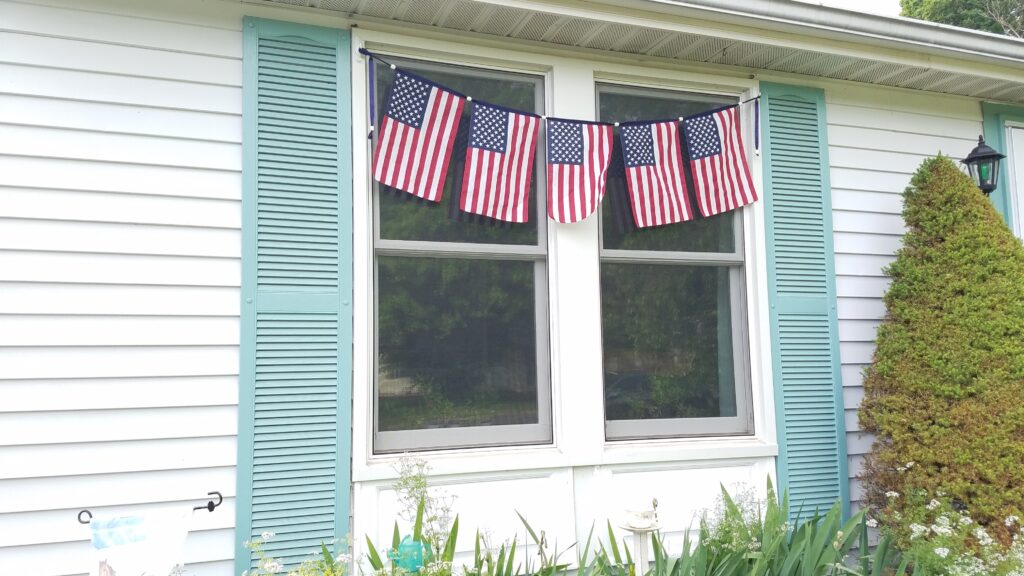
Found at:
[877, 139]
[119, 271]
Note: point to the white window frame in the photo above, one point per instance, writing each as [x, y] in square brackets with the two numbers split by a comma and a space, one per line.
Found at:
[577, 394]
[476, 436]
[742, 423]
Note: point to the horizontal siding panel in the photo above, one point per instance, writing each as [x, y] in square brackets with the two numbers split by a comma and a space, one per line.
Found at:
[104, 238]
[858, 286]
[117, 362]
[120, 118]
[858, 200]
[63, 22]
[63, 174]
[963, 119]
[868, 222]
[141, 62]
[858, 330]
[865, 178]
[861, 265]
[121, 148]
[856, 464]
[853, 395]
[29, 330]
[78, 458]
[119, 492]
[75, 558]
[894, 139]
[860, 308]
[83, 206]
[859, 442]
[866, 243]
[853, 377]
[16, 266]
[856, 352]
[851, 420]
[74, 427]
[904, 163]
[110, 88]
[25, 528]
[105, 299]
[117, 393]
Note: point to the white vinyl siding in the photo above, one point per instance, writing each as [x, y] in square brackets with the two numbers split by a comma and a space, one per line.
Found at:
[120, 183]
[877, 139]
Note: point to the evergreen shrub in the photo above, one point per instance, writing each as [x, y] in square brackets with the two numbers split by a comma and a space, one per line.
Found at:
[945, 392]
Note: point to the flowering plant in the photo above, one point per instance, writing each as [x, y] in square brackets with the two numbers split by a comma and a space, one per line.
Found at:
[941, 538]
[320, 563]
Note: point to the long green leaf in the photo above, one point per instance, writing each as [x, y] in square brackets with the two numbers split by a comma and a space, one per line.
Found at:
[614, 545]
[417, 527]
[372, 555]
[449, 546]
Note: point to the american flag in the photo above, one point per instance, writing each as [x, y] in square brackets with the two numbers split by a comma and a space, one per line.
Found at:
[578, 157]
[416, 136]
[719, 166]
[654, 173]
[499, 163]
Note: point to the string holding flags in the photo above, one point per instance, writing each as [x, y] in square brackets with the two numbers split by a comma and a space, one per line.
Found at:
[659, 160]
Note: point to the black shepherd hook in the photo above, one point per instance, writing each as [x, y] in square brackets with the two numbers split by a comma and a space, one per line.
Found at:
[208, 506]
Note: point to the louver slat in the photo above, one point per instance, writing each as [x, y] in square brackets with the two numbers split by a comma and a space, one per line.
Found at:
[296, 353]
[812, 451]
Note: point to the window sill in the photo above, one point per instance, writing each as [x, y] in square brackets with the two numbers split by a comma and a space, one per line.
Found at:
[527, 460]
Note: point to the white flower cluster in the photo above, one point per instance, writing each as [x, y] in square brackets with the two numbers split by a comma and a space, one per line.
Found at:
[983, 538]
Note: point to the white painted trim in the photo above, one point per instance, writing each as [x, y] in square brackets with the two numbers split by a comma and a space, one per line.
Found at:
[573, 288]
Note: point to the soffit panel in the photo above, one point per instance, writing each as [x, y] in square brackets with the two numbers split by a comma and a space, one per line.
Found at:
[591, 33]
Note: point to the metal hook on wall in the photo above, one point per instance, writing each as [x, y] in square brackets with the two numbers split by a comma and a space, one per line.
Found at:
[208, 506]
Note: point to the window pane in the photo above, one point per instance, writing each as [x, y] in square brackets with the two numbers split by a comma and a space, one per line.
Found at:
[701, 235]
[668, 349]
[404, 217]
[456, 343]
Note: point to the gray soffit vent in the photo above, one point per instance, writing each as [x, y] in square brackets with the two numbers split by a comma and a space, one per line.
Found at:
[764, 35]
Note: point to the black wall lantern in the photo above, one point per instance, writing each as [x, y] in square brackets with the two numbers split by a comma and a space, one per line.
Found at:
[983, 164]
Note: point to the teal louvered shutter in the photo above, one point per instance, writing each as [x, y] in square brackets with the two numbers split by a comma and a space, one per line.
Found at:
[801, 282]
[295, 382]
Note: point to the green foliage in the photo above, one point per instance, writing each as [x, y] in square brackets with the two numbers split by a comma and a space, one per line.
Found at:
[486, 563]
[943, 394]
[939, 538]
[323, 563]
[964, 13]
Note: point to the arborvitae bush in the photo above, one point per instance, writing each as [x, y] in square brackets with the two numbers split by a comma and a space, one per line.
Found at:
[945, 392]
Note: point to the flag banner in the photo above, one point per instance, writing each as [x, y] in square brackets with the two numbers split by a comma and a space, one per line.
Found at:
[499, 163]
[578, 157]
[414, 142]
[721, 175]
[149, 544]
[654, 173]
